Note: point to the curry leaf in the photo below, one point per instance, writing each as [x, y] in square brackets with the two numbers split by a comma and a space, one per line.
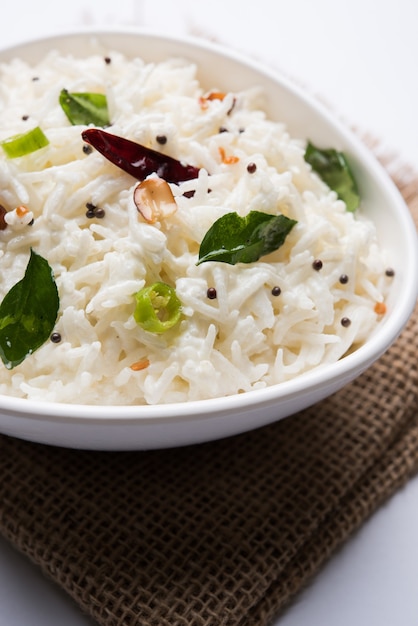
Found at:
[85, 108]
[234, 239]
[28, 312]
[333, 168]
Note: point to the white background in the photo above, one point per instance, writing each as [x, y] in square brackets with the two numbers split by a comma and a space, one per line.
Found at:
[360, 57]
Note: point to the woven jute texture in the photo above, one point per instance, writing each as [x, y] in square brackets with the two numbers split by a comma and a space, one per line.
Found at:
[223, 533]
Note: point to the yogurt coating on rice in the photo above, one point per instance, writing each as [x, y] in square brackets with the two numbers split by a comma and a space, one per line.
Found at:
[243, 326]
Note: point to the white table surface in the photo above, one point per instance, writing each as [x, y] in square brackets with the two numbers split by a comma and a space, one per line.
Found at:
[361, 57]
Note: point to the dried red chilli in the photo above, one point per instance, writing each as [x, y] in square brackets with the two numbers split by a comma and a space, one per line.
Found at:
[3, 223]
[137, 160]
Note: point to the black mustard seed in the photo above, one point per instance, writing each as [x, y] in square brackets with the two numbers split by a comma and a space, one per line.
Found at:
[99, 213]
[276, 291]
[345, 321]
[55, 337]
[317, 265]
[211, 293]
[94, 211]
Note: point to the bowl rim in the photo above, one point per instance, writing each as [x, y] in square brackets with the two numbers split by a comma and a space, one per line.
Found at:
[315, 379]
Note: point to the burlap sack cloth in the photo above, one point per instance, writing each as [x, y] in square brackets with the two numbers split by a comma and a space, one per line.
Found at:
[220, 533]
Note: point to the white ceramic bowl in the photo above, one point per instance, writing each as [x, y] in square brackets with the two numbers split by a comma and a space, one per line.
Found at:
[121, 428]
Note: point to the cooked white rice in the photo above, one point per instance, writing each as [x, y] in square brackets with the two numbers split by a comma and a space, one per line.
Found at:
[245, 338]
